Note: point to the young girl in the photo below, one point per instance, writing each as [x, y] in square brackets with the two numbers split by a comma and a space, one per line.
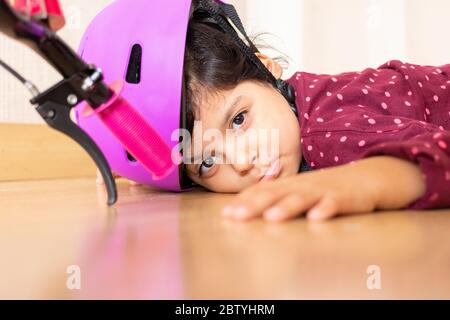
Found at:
[381, 137]
[378, 139]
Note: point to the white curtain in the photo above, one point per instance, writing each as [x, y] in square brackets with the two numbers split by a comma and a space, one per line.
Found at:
[332, 36]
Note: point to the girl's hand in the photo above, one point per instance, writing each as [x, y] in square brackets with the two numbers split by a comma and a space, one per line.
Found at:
[380, 182]
[100, 180]
[347, 189]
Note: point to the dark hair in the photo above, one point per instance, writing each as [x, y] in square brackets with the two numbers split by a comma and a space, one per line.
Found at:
[214, 62]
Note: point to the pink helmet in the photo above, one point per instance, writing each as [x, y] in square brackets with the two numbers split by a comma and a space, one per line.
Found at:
[142, 43]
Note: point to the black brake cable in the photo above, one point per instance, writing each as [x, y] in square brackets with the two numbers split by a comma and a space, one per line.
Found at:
[28, 84]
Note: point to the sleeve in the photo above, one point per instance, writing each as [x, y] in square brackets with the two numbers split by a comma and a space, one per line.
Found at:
[361, 134]
[430, 150]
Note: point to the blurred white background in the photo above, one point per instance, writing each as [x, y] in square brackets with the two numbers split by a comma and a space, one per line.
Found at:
[319, 36]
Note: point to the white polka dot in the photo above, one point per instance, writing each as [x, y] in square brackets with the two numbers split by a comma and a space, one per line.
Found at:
[427, 77]
[319, 120]
[361, 106]
[365, 116]
[336, 158]
[442, 144]
[317, 108]
[340, 97]
[362, 143]
[439, 70]
[387, 94]
[409, 93]
[436, 98]
[343, 139]
[412, 67]
[365, 91]
[379, 131]
[334, 79]
[372, 121]
[406, 77]
[443, 87]
[328, 135]
[420, 84]
[427, 111]
[310, 148]
[315, 80]
[308, 99]
[329, 94]
[375, 74]
[384, 106]
[313, 164]
[339, 110]
[321, 154]
[408, 103]
[348, 124]
[312, 86]
[415, 150]
[371, 80]
[397, 121]
[434, 197]
[391, 82]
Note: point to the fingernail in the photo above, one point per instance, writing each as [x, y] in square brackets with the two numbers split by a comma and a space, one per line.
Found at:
[273, 213]
[241, 212]
[314, 215]
[227, 211]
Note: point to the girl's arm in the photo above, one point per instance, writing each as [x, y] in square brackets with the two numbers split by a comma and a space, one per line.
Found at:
[398, 182]
[363, 186]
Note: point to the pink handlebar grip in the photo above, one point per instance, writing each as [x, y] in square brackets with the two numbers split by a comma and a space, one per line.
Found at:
[137, 136]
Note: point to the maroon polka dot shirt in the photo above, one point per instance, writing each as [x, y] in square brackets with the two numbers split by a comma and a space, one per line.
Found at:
[399, 109]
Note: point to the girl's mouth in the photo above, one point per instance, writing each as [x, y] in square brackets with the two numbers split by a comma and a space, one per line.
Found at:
[273, 172]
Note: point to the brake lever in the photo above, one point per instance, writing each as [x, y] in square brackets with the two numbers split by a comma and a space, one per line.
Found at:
[54, 105]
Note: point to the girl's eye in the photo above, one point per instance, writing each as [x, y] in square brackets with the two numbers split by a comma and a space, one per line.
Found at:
[206, 166]
[239, 120]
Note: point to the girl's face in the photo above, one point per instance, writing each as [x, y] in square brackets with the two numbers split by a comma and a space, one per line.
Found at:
[239, 115]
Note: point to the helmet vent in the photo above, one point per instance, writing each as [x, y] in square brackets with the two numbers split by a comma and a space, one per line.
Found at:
[130, 157]
[134, 65]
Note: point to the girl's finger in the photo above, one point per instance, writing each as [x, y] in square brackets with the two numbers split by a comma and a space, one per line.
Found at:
[252, 203]
[289, 207]
[325, 209]
[99, 179]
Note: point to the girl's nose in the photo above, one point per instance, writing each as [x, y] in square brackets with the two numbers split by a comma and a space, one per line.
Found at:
[244, 165]
[240, 153]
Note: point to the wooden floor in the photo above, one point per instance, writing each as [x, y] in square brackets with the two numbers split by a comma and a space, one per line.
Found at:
[177, 246]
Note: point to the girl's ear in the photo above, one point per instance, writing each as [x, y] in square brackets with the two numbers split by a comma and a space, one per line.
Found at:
[271, 65]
